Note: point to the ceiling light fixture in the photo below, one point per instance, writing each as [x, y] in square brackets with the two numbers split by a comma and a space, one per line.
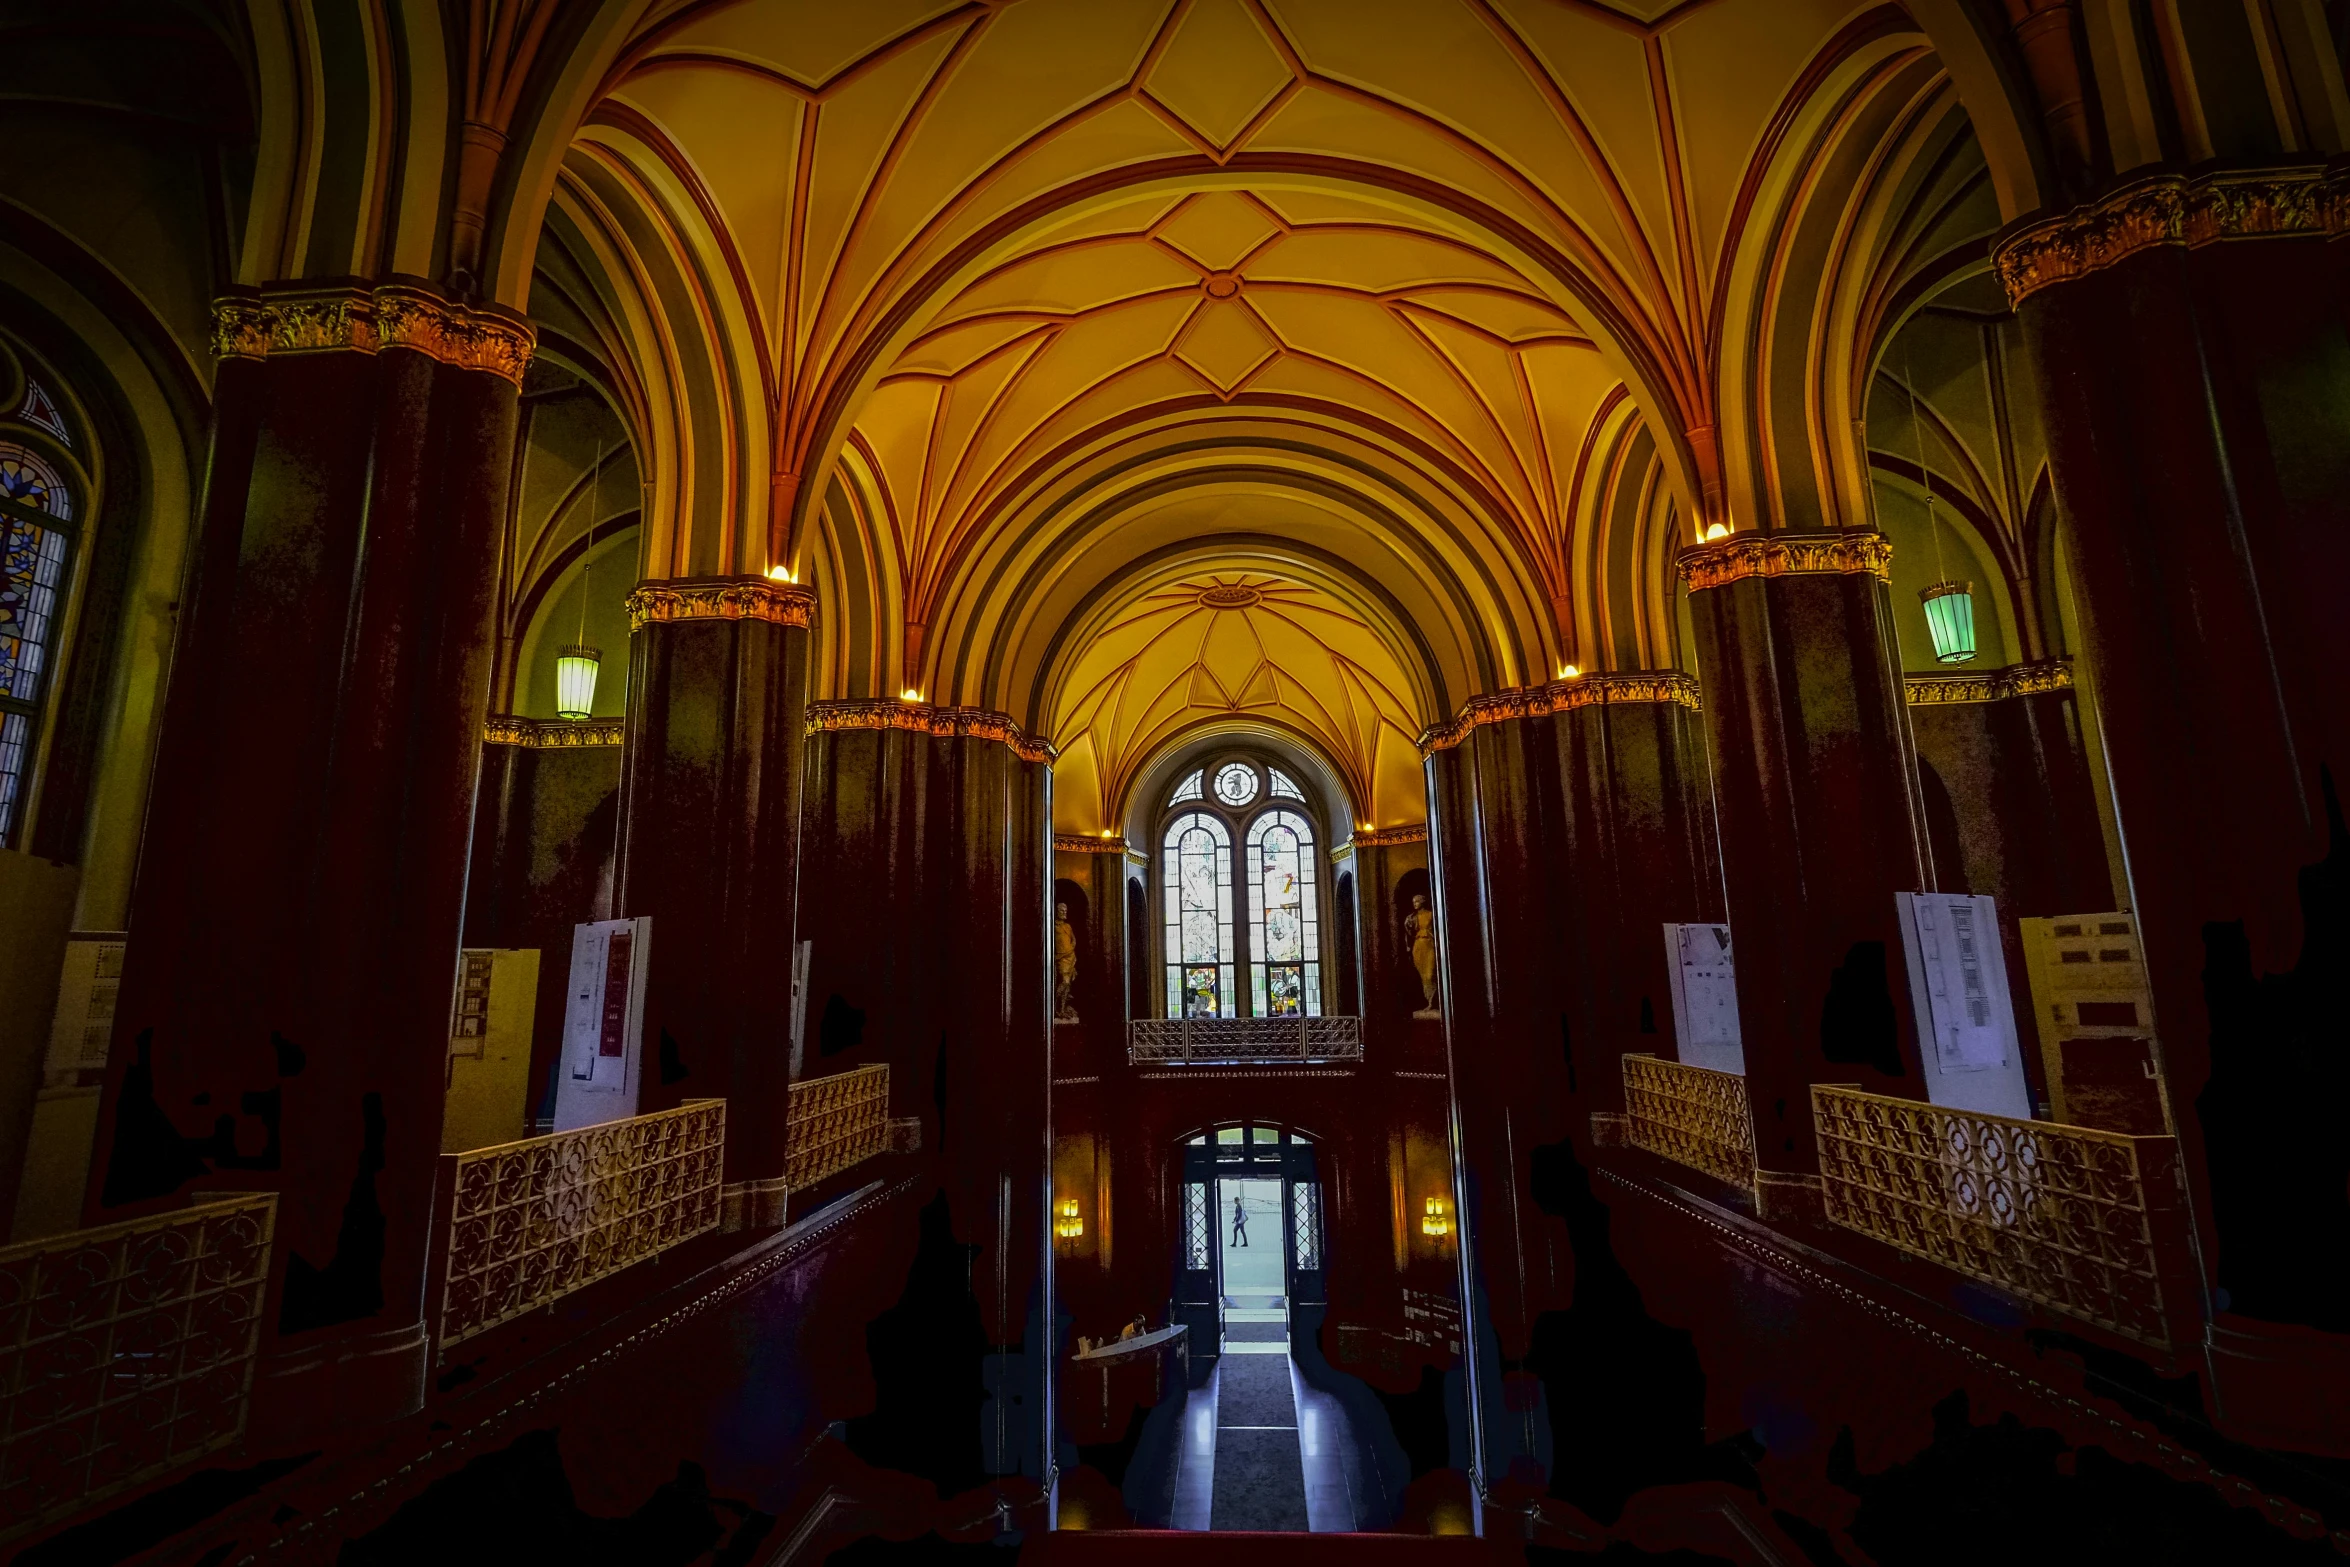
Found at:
[1950, 605]
[577, 666]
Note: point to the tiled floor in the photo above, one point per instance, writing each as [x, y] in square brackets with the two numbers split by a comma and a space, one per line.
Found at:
[1261, 1449]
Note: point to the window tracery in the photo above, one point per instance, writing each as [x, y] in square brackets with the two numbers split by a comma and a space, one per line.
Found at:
[1284, 922]
[36, 547]
[1197, 868]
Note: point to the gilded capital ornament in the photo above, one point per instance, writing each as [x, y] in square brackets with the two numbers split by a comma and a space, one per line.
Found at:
[1603, 689]
[368, 321]
[1991, 685]
[1835, 552]
[2171, 210]
[943, 723]
[563, 734]
[1387, 837]
[721, 598]
[1078, 843]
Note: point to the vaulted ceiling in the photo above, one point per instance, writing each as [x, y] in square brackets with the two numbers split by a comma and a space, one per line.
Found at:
[940, 301]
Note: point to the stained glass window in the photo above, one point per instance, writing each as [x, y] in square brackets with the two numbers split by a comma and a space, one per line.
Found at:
[1283, 786]
[33, 552]
[1191, 788]
[1236, 783]
[1285, 980]
[39, 408]
[1197, 868]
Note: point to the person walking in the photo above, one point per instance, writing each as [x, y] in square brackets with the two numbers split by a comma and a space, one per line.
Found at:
[1239, 1221]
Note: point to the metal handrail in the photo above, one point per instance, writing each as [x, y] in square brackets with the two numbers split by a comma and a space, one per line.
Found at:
[126, 1352]
[1159, 1041]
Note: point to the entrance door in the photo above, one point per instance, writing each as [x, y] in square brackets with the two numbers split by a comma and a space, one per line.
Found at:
[1270, 1171]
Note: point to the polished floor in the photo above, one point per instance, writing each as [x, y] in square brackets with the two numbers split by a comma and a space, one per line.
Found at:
[1262, 1448]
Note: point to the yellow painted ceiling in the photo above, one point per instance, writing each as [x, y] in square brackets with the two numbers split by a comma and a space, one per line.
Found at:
[1216, 648]
[963, 248]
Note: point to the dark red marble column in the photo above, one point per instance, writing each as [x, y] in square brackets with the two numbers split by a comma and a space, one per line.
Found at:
[710, 822]
[546, 835]
[1816, 797]
[2007, 747]
[1634, 850]
[924, 887]
[283, 1021]
[2198, 417]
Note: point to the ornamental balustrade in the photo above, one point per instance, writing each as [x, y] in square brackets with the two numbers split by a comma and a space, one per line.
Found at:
[1229, 1040]
[1692, 1115]
[529, 1222]
[126, 1352]
[2085, 1222]
[834, 1122]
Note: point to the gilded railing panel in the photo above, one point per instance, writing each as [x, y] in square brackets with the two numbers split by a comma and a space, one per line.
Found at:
[126, 1352]
[531, 1221]
[2066, 1216]
[835, 1122]
[1161, 1041]
[1692, 1115]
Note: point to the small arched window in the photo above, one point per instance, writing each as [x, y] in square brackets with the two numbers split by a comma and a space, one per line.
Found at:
[1285, 938]
[1196, 868]
[36, 515]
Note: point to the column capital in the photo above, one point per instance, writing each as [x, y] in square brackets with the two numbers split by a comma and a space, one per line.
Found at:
[289, 319]
[1835, 552]
[944, 723]
[2171, 210]
[561, 734]
[1990, 685]
[721, 598]
[1603, 689]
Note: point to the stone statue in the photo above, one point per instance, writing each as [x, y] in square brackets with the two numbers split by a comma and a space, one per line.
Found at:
[1064, 965]
[1419, 929]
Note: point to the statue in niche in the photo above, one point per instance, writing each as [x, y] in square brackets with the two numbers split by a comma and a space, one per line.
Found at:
[1064, 966]
[1419, 931]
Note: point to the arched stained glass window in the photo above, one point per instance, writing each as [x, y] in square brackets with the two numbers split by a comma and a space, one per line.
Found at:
[1192, 788]
[35, 508]
[1283, 786]
[1197, 869]
[1285, 978]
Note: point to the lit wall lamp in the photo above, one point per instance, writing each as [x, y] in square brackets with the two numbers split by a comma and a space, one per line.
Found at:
[1719, 530]
[1068, 1223]
[1436, 1218]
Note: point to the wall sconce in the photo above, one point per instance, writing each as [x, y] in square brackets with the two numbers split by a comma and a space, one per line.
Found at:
[780, 574]
[1719, 530]
[909, 695]
[1569, 672]
[1436, 1219]
[1068, 1224]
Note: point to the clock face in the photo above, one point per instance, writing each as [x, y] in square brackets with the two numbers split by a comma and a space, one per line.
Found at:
[1236, 783]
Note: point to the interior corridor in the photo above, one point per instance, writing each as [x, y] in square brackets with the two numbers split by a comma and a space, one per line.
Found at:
[1263, 1448]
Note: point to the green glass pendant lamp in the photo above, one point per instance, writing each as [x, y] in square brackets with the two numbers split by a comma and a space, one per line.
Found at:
[577, 666]
[1950, 604]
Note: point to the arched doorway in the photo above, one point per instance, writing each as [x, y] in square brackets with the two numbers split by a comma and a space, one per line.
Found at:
[1252, 1252]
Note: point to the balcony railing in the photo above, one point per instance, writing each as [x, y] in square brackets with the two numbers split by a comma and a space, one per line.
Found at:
[1692, 1115]
[833, 1123]
[126, 1352]
[532, 1221]
[1227, 1040]
[2078, 1220]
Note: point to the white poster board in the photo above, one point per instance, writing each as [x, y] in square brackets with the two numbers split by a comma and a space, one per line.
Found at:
[802, 951]
[1958, 991]
[1705, 997]
[603, 1023]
